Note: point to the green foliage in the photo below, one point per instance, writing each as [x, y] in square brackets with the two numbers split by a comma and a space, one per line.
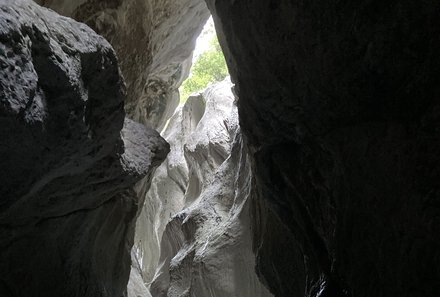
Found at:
[208, 68]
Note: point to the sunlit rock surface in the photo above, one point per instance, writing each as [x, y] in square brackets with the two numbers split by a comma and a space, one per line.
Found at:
[197, 208]
[339, 105]
[153, 40]
[166, 195]
[69, 160]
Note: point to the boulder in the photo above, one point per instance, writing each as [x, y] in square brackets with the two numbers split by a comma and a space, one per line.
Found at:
[69, 160]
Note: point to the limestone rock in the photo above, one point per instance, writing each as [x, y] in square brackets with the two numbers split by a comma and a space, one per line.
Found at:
[136, 285]
[340, 111]
[201, 191]
[153, 39]
[165, 198]
[69, 160]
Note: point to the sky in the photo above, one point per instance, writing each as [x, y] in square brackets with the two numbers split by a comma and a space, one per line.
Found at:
[203, 41]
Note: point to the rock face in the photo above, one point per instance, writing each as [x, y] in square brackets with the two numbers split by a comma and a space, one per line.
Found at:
[69, 159]
[166, 197]
[335, 182]
[339, 108]
[153, 40]
[197, 208]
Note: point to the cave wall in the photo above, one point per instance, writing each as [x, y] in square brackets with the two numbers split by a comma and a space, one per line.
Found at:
[153, 39]
[69, 159]
[338, 105]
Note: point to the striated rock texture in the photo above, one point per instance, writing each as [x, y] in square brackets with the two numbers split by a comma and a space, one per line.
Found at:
[69, 159]
[153, 40]
[166, 197]
[197, 208]
[339, 105]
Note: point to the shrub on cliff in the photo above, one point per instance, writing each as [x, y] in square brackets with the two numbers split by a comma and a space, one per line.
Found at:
[208, 68]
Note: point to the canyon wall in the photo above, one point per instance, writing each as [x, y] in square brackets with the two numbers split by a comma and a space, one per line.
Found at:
[338, 105]
[69, 160]
[329, 187]
[198, 206]
[153, 39]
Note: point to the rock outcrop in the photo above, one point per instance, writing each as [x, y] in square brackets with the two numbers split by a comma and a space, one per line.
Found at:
[69, 159]
[153, 40]
[340, 111]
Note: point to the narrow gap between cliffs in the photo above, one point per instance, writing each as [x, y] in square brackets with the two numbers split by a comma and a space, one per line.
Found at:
[208, 63]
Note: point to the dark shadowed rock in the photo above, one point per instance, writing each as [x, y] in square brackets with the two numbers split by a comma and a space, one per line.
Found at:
[68, 159]
[153, 40]
[339, 105]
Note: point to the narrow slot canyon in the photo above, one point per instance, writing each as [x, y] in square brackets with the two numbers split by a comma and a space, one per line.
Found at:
[219, 148]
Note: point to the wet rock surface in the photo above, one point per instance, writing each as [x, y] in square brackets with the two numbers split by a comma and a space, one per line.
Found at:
[69, 159]
[339, 108]
[153, 40]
